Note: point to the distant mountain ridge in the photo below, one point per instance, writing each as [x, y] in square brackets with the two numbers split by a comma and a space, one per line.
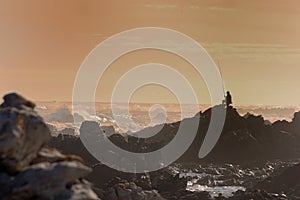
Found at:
[243, 139]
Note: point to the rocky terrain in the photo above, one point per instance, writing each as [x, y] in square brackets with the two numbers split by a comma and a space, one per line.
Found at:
[249, 152]
[243, 139]
[29, 169]
[252, 160]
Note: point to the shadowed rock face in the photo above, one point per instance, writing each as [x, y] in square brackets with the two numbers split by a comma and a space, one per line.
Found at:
[244, 140]
[29, 170]
[286, 181]
[17, 101]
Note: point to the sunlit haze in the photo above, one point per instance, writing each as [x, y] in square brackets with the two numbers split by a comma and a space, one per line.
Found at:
[255, 44]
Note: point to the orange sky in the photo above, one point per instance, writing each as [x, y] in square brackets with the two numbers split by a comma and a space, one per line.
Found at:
[43, 43]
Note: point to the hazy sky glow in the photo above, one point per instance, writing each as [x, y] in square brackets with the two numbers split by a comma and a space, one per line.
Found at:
[257, 43]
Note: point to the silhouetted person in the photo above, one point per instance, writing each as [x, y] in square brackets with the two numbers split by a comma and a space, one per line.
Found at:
[228, 99]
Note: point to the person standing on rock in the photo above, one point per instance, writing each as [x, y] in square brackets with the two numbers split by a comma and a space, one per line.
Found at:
[228, 99]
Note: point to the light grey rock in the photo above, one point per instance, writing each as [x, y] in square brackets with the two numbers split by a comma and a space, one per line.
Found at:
[81, 191]
[49, 155]
[22, 133]
[28, 169]
[52, 155]
[130, 191]
[49, 180]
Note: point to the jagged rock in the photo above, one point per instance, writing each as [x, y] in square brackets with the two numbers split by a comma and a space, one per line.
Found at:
[257, 195]
[81, 191]
[245, 140]
[285, 181]
[22, 133]
[28, 169]
[47, 179]
[130, 191]
[17, 101]
[51, 155]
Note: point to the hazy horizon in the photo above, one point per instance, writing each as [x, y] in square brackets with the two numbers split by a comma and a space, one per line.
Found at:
[256, 45]
[162, 103]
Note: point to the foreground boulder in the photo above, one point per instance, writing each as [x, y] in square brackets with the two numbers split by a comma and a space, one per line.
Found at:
[22, 133]
[29, 170]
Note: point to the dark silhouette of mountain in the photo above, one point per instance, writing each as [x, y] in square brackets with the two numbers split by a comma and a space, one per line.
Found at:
[244, 140]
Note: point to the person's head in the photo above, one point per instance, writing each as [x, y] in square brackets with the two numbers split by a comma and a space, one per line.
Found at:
[228, 92]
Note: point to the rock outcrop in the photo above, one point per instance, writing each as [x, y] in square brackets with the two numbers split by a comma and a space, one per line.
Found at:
[243, 139]
[124, 190]
[30, 170]
[256, 194]
[22, 133]
[287, 181]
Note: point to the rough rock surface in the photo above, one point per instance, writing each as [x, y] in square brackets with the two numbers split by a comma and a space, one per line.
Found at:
[243, 139]
[246, 141]
[287, 181]
[29, 170]
[257, 195]
[22, 133]
[125, 190]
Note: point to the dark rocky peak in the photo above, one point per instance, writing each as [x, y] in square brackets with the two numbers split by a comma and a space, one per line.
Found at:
[231, 112]
[296, 118]
[282, 125]
[255, 122]
[253, 117]
[17, 101]
[296, 123]
[292, 127]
